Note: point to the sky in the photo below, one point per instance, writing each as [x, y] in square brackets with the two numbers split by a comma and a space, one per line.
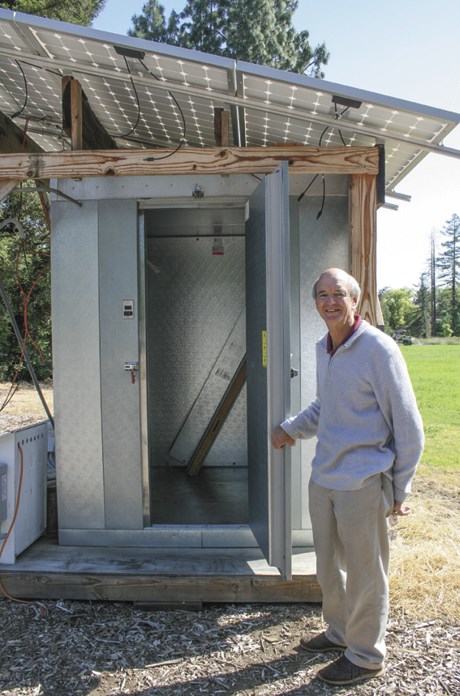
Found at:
[400, 48]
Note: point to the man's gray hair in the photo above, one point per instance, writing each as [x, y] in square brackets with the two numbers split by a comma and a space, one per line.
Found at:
[353, 285]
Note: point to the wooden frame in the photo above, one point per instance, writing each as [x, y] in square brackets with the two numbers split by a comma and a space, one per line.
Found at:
[76, 164]
[362, 164]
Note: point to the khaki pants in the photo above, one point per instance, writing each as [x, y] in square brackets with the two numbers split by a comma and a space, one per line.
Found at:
[352, 549]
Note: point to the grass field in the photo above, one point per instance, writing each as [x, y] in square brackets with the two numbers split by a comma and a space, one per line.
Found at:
[435, 374]
[425, 559]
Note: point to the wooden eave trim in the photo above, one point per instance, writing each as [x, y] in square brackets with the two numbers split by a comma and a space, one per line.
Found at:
[187, 160]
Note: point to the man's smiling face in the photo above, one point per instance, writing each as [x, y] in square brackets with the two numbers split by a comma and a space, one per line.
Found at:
[334, 302]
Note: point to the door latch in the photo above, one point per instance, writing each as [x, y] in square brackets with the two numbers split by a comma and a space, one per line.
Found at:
[132, 366]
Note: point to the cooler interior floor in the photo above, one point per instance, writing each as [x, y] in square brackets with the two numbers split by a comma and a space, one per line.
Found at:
[218, 495]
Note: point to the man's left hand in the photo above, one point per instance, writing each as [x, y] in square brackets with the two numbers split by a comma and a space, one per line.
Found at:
[400, 510]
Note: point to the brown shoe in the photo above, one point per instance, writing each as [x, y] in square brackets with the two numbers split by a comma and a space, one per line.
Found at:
[320, 643]
[342, 671]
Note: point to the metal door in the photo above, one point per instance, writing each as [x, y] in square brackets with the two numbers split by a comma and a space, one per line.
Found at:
[268, 360]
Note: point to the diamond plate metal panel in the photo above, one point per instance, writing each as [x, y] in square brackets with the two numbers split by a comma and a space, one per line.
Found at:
[210, 396]
[118, 280]
[76, 364]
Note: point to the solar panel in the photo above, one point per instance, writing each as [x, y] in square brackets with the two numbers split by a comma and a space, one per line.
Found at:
[150, 94]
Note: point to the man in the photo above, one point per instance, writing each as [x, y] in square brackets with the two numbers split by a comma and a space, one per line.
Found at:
[369, 441]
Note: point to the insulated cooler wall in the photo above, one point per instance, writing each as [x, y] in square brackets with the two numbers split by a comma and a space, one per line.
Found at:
[119, 445]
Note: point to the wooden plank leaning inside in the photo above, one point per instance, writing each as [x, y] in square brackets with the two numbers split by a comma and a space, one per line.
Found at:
[217, 421]
[188, 160]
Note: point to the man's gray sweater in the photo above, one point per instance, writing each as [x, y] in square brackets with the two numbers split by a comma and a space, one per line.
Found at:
[365, 415]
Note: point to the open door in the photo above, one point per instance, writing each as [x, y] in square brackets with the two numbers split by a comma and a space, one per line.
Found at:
[268, 366]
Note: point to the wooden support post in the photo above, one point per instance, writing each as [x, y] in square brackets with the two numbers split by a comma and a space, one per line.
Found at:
[80, 122]
[72, 111]
[221, 127]
[363, 243]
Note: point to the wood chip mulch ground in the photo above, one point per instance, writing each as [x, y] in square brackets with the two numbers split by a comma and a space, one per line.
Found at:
[70, 648]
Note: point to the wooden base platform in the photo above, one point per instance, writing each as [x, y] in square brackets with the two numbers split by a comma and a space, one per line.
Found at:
[157, 576]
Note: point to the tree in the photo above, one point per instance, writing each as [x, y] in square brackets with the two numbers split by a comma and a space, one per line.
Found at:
[397, 308]
[74, 11]
[433, 283]
[421, 320]
[24, 259]
[448, 266]
[258, 31]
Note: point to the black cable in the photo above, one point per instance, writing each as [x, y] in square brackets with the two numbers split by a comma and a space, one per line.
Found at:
[337, 117]
[184, 125]
[125, 135]
[321, 136]
[323, 199]
[309, 185]
[30, 117]
[40, 67]
[152, 158]
[26, 90]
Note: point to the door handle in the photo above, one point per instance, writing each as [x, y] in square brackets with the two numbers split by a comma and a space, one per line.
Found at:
[294, 372]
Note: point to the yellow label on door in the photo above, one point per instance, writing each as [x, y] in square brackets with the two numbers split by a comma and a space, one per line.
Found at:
[264, 349]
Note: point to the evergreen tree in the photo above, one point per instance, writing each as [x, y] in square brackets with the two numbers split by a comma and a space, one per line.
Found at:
[433, 284]
[448, 266]
[258, 31]
[421, 322]
[73, 11]
[24, 260]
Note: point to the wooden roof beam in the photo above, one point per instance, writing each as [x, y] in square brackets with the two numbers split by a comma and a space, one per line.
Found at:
[187, 160]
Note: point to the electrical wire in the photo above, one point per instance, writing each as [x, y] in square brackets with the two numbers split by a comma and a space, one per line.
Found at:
[182, 140]
[23, 338]
[11, 392]
[184, 124]
[309, 186]
[125, 135]
[26, 296]
[323, 200]
[338, 116]
[26, 85]
[26, 90]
